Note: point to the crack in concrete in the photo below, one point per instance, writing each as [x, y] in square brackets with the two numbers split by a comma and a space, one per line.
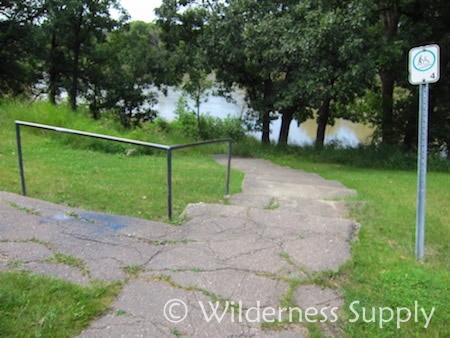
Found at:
[153, 257]
[89, 239]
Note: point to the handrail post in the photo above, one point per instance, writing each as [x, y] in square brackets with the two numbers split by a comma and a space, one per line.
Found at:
[227, 184]
[169, 183]
[19, 153]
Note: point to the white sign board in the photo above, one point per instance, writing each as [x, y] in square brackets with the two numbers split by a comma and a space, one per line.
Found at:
[424, 64]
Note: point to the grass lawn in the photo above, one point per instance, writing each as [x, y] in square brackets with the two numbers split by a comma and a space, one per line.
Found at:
[39, 306]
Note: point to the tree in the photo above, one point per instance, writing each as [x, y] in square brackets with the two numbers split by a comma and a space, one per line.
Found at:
[56, 58]
[390, 45]
[137, 61]
[291, 57]
[182, 25]
[436, 17]
[198, 87]
[273, 41]
[74, 28]
[236, 48]
[396, 27]
[19, 62]
[337, 68]
[266, 47]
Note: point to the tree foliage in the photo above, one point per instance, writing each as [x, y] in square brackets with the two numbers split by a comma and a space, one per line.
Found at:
[19, 49]
[294, 59]
[75, 29]
[290, 57]
[182, 24]
[136, 62]
[396, 27]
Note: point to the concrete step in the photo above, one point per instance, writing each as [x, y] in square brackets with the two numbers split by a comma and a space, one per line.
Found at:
[296, 190]
[263, 170]
[273, 223]
[317, 207]
[296, 177]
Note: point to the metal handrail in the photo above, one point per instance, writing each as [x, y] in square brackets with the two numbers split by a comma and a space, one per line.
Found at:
[167, 148]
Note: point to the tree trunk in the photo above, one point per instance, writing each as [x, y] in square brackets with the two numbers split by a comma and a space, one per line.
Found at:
[265, 138]
[324, 114]
[387, 107]
[53, 81]
[286, 119]
[74, 86]
[390, 18]
[197, 102]
[410, 131]
[73, 93]
[94, 106]
[268, 104]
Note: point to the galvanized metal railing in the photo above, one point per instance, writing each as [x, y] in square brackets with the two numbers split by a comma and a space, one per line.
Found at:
[164, 147]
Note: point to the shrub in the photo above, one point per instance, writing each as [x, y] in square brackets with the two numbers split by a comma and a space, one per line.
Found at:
[206, 127]
[186, 120]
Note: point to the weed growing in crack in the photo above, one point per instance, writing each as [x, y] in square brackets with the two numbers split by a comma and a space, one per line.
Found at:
[273, 204]
[133, 271]
[72, 214]
[162, 242]
[176, 332]
[14, 264]
[29, 211]
[68, 260]
[163, 278]
[48, 245]
[288, 259]
[326, 279]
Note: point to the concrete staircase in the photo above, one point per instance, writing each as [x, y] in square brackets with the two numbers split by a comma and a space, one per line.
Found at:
[285, 228]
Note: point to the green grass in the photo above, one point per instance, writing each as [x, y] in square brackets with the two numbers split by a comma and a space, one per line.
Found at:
[38, 306]
[98, 175]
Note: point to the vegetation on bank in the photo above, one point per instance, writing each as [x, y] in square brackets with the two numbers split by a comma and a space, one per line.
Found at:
[119, 179]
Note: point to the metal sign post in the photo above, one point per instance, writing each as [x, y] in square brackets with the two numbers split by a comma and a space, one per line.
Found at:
[423, 69]
[422, 170]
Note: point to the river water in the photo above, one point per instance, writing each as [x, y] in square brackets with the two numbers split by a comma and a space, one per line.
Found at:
[348, 134]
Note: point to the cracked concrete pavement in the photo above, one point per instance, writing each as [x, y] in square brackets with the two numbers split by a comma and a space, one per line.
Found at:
[228, 271]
